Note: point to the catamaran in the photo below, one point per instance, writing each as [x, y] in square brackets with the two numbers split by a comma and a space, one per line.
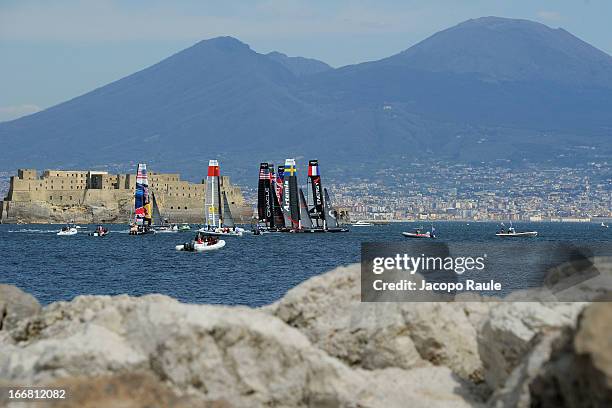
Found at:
[322, 212]
[142, 204]
[511, 232]
[218, 222]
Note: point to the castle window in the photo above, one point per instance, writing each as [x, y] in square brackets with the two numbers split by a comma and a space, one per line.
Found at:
[185, 207]
[50, 198]
[70, 198]
[61, 198]
[172, 208]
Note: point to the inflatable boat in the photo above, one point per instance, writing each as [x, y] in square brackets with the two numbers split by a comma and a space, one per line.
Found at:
[194, 246]
[68, 231]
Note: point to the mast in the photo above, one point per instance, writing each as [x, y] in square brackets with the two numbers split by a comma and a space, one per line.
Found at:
[142, 202]
[213, 195]
[314, 177]
[291, 206]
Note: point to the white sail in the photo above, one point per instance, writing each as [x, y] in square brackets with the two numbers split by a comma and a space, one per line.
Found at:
[228, 219]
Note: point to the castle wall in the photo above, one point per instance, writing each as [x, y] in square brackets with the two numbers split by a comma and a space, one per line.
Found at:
[98, 197]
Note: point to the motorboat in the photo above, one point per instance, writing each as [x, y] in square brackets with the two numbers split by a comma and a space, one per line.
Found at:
[184, 227]
[419, 233]
[512, 233]
[99, 232]
[604, 225]
[202, 243]
[362, 223]
[68, 230]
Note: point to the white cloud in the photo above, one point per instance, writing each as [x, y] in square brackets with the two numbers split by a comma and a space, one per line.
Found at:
[17, 111]
[550, 15]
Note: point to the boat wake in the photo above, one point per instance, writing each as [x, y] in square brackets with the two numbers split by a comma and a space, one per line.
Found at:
[32, 231]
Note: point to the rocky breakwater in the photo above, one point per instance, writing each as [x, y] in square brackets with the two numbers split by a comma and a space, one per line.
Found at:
[318, 347]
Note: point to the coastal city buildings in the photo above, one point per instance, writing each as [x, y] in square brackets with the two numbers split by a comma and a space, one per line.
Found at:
[436, 191]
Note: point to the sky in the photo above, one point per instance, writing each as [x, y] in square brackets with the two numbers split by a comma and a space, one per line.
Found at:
[52, 51]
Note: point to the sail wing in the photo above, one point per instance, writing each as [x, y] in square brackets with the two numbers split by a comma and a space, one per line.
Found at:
[264, 205]
[228, 219]
[212, 205]
[331, 215]
[142, 202]
[277, 214]
[314, 178]
[305, 221]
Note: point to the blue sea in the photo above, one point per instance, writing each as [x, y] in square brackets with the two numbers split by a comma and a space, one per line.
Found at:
[249, 270]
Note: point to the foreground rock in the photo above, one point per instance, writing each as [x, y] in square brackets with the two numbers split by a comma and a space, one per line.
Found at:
[319, 346]
[579, 372]
[328, 310]
[512, 330]
[234, 355]
[15, 305]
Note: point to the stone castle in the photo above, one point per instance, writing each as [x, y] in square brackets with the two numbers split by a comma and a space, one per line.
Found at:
[59, 196]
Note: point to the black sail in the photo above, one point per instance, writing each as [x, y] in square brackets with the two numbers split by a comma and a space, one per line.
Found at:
[291, 205]
[278, 220]
[331, 215]
[305, 221]
[264, 205]
[314, 179]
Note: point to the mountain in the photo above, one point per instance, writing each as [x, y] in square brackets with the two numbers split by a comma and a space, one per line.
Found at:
[499, 49]
[485, 89]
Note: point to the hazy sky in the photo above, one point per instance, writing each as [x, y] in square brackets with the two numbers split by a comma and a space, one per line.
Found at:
[51, 51]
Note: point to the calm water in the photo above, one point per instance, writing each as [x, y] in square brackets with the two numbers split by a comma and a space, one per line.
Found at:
[252, 270]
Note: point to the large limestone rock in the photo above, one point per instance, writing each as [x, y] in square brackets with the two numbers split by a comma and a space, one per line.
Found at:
[15, 305]
[579, 373]
[234, 355]
[515, 391]
[511, 331]
[328, 310]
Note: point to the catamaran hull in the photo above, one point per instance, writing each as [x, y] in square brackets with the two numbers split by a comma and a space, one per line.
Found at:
[526, 234]
[195, 247]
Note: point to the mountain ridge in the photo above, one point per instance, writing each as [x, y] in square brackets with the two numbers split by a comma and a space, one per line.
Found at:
[221, 98]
